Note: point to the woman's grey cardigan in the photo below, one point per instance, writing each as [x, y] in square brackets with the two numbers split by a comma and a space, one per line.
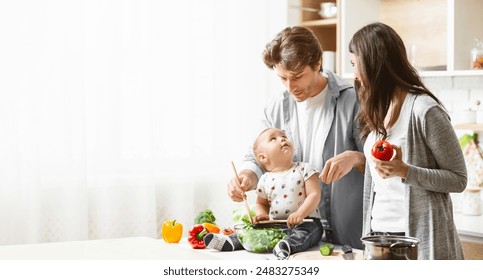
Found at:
[436, 168]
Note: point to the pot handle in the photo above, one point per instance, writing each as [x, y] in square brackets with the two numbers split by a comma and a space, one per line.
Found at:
[406, 248]
[377, 233]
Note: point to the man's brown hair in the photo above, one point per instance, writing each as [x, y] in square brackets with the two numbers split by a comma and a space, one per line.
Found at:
[293, 48]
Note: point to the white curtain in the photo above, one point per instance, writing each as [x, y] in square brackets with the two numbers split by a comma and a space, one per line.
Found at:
[116, 115]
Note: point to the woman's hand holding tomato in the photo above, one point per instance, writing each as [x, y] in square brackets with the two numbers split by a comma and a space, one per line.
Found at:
[382, 150]
[391, 168]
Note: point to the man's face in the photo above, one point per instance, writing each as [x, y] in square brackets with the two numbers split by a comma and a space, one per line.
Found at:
[300, 84]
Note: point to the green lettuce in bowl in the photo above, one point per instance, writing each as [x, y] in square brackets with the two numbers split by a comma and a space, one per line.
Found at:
[258, 240]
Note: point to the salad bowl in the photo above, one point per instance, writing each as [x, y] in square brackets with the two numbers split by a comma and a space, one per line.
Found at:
[258, 240]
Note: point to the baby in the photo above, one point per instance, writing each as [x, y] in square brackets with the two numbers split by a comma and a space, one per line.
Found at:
[288, 190]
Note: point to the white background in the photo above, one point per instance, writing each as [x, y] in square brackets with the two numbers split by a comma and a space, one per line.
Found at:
[118, 115]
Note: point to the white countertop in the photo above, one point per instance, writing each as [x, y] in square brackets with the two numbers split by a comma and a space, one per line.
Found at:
[136, 248]
[132, 248]
[470, 228]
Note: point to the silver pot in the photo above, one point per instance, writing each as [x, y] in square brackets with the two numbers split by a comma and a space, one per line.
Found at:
[390, 247]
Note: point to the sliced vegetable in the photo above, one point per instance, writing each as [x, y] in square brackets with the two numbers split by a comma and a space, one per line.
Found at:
[171, 231]
[327, 249]
[211, 227]
[195, 236]
[227, 231]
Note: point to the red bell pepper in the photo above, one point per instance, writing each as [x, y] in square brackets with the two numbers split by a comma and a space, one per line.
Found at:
[195, 236]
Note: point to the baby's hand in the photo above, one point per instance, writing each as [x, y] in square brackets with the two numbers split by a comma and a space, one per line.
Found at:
[294, 219]
[261, 217]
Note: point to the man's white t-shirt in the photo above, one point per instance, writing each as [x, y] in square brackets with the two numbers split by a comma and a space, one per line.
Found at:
[311, 120]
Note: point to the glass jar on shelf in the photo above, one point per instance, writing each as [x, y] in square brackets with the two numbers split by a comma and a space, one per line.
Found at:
[477, 55]
[471, 202]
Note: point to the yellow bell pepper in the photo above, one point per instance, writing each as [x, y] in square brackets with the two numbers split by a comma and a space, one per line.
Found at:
[172, 231]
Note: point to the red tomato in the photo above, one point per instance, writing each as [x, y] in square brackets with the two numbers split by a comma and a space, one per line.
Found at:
[227, 231]
[382, 150]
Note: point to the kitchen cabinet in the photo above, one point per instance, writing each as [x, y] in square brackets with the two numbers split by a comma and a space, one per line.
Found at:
[439, 34]
[326, 30]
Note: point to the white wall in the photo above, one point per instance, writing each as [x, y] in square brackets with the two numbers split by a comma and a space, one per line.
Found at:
[457, 92]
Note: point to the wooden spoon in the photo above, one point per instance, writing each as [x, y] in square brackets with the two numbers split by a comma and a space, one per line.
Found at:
[244, 200]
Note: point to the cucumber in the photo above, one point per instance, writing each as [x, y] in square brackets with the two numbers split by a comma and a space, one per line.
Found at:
[327, 249]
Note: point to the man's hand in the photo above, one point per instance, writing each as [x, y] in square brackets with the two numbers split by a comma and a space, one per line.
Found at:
[338, 166]
[248, 181]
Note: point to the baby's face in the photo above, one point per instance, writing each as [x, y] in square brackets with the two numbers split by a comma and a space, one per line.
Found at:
[275, 144]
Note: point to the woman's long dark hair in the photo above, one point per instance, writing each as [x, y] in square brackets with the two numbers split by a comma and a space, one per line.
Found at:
[383, 68]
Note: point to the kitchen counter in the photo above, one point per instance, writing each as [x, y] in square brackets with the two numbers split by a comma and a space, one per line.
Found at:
[139, 248]
[311, 254]
[470, 228]
[136, 248]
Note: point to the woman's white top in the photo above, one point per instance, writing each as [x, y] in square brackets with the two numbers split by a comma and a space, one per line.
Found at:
[388, 213]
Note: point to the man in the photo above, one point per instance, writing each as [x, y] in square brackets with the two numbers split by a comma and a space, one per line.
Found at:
[318, 114]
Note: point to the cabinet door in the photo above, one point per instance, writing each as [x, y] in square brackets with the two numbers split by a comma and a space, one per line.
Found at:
[466, 24]
[421, 24]
[354, 15]
[439, 34]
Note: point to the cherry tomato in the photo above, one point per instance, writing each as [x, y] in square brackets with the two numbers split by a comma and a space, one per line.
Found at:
[227, 231]
[382, 150]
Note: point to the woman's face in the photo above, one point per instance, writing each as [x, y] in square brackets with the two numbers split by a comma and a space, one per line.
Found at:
[355, 64]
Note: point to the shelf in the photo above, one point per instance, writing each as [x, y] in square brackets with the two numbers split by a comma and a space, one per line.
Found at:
[457, 73]
[435, 32]
[469, 126]
[448, 28]
[467, 73]
[325, 29]
[321, 22]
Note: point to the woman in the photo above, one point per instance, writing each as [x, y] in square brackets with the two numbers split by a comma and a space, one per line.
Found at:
[408, 195]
